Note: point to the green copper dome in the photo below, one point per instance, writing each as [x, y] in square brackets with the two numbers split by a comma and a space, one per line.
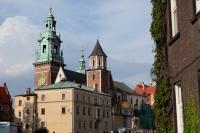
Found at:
[49, 42]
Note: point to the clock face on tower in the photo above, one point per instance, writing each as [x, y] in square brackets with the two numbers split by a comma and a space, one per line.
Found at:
[42, 79]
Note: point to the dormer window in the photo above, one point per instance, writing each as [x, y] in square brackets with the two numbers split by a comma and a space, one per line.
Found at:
[44, 49]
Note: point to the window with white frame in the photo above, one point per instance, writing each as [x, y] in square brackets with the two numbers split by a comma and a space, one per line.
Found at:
[197, 2]
[179, 108]
[174, 18]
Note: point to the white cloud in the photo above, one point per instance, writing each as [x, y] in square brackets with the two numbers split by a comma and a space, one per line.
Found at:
[18, 40]
[17, 69]
[122, 27]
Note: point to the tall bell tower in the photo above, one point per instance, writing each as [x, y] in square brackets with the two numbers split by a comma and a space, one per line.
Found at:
[98, 76]
[49, 58]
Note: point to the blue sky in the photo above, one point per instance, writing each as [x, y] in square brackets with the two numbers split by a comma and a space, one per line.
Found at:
[122, 27]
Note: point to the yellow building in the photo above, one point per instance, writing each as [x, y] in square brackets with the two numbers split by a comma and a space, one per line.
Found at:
[73, 108]
[64, 107]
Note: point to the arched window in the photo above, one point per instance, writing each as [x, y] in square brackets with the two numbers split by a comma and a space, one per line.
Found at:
[99, 62]
[55, 49]
[92, 62]
[44, 49]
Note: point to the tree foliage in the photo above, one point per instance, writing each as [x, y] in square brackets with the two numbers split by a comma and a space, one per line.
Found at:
[159, 69]
[146, 117]
[192, 121]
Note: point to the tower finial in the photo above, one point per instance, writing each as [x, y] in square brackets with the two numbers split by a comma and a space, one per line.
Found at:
[82, 50]
[82, 62]
[50, 11]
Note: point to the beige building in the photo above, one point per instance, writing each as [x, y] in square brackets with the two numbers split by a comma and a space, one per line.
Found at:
[73, 108]
[64, 107]
[25, 110]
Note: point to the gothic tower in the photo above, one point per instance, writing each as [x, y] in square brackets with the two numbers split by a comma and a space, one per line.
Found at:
[98, 76]
[48, 56]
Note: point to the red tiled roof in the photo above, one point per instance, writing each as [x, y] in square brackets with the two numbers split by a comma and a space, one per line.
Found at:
[145, 90]
[5, 97]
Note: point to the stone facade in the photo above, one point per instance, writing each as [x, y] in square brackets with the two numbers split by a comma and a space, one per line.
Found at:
[126, 106]
[92, 112]
[45, 73]
[84, 110]
[183, 54]
[25, 110]
[55, 110]
[98, 76]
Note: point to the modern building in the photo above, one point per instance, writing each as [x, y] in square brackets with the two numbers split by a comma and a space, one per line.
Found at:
[74, 101]
[182, 56]
[6, 110]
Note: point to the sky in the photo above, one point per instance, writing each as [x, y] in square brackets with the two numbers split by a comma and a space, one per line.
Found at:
[122, 27]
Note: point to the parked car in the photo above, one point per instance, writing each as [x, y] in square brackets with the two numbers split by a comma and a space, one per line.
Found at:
[8, 127]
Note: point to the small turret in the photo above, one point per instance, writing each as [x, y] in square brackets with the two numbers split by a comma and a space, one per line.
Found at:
[98, 59]
[49, 42]
[50, 22]
[98, 77]
[82, 63]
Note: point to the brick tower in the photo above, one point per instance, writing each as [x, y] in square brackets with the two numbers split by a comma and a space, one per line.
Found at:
[48, 56]
[98, 76]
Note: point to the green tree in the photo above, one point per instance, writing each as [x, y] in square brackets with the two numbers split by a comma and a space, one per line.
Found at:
[192, 121]
[146, 117]
[159, 70]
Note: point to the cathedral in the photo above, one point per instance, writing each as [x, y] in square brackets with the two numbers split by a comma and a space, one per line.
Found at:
[83, 101]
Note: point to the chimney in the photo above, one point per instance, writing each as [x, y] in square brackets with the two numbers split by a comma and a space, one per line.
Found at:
[4, 84]
[143, 85]
[28, 91]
